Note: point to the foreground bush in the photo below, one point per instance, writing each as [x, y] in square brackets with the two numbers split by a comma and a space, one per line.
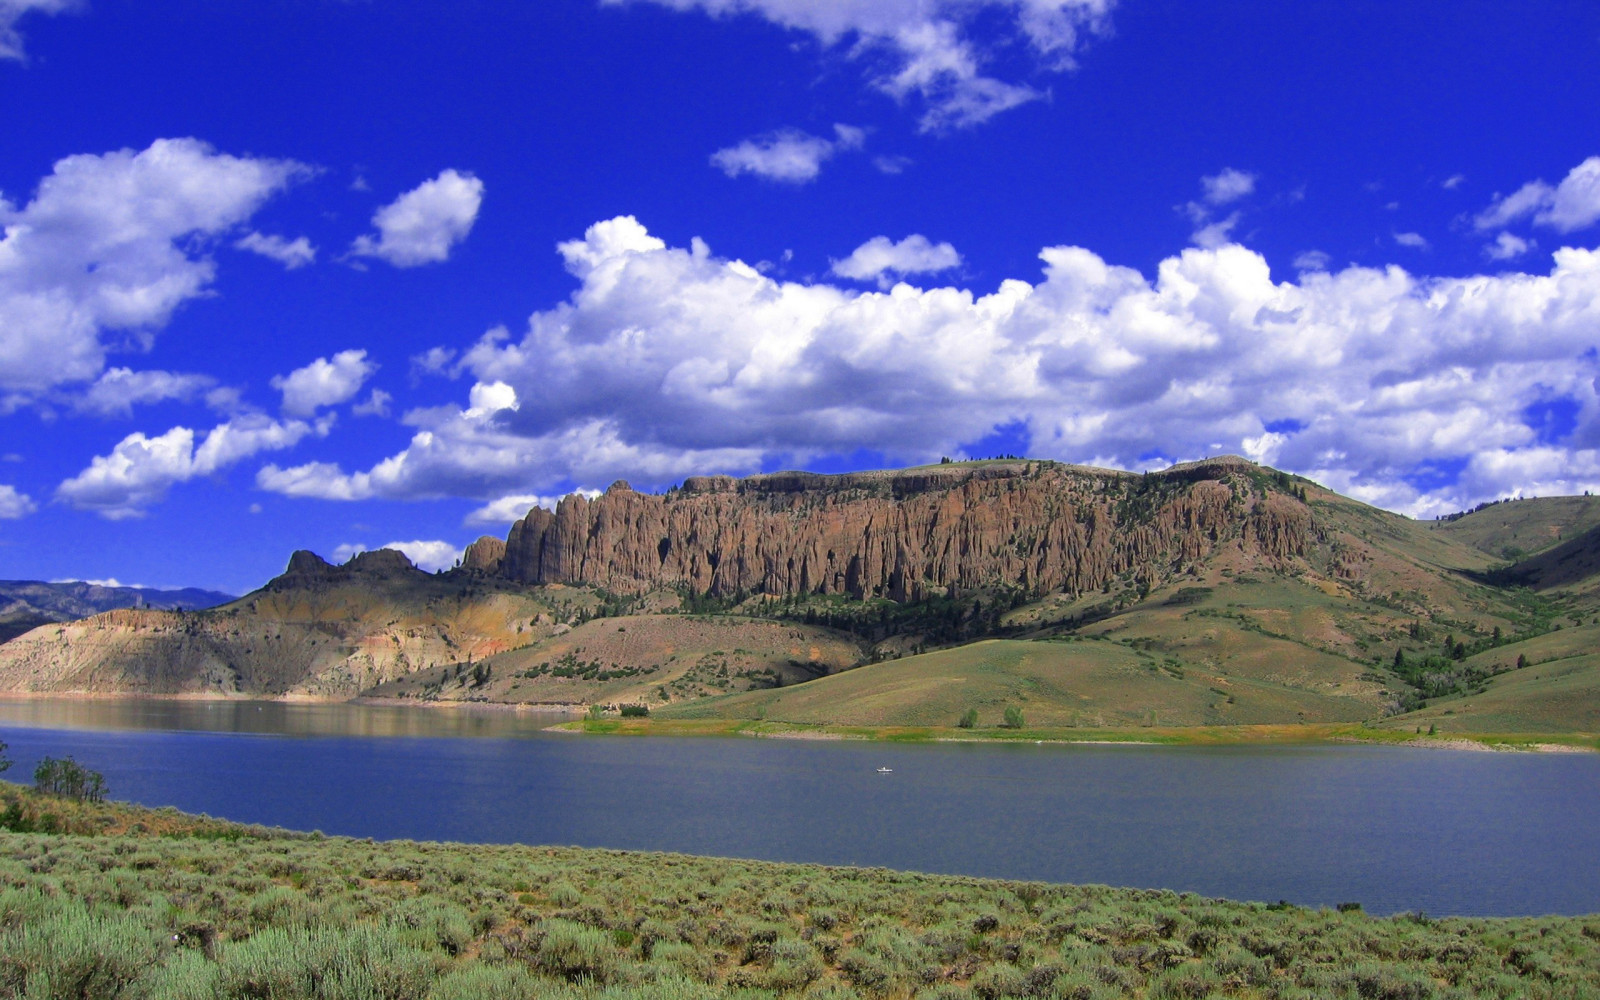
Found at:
[205, 913]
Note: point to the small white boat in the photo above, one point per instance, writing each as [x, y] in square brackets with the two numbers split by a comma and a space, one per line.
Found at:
[885, 770]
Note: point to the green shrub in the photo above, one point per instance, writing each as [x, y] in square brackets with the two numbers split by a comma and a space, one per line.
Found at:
[187, 975]
[969, 719]
[1013, 718]
[574, 952]
[999, 981]
[357, 963]
[865, 971]
[675, 959]
[282, 907]
[488, 982]
[794, 967]
[426, 922]
[72, 953]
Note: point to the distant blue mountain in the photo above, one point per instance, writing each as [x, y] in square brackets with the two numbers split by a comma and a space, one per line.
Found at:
[27, 604]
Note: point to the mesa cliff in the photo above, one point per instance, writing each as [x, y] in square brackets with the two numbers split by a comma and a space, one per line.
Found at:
[1036, 526]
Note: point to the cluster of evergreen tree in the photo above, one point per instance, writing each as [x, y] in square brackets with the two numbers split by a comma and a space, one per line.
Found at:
[1443, 674]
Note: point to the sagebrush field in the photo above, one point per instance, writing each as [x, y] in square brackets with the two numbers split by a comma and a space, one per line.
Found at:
[141, 903]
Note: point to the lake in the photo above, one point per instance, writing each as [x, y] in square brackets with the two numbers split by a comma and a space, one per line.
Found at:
[1394, 828]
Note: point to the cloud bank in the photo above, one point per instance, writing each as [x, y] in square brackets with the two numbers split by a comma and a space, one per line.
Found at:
[1419, 394]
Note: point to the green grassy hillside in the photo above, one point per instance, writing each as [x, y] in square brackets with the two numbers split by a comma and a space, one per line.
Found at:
[237, 913]
[1515, 529]
[1557, 691]
[639, 659]
[1090, 681]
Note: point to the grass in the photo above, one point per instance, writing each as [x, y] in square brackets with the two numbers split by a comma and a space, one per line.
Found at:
[270, 914]
[1521, 528]
[1553, 695]
[640, 659]
[1100, 683]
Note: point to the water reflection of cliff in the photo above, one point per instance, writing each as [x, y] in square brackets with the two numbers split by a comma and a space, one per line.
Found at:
[272, 718]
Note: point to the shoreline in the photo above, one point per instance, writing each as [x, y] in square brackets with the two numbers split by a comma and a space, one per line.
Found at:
[202, 697]
[440, 918]
[114, 819]
[1325, 734]
[567, 718]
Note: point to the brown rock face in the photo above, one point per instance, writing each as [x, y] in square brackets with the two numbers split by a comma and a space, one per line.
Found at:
[484, 555]
[308, 568]
[908, 535]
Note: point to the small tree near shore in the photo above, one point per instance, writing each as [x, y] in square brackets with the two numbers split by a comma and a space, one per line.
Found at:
[68, 779]
[1013, 718]
[969, 718]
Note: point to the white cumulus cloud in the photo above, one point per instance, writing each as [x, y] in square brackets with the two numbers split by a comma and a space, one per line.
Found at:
[118, 390]
[377, 405]
[14, 504]
[1415, 241]
[114, 242]
[923, 50]
[1312, 260]
[787, 155]
[1507, 247]
[669, 361]
[291, 254]
[1227, 186]
[1220, 189]
[324, 382]
[915, 254]
[427, 555]
[140, 469]
[1571, 205]
[424, 224]
[1212, 234]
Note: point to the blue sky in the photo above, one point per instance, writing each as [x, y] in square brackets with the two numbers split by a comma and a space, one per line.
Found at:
[319, 274]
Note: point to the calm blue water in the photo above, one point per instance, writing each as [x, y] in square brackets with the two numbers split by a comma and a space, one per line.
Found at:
[1396, 829]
